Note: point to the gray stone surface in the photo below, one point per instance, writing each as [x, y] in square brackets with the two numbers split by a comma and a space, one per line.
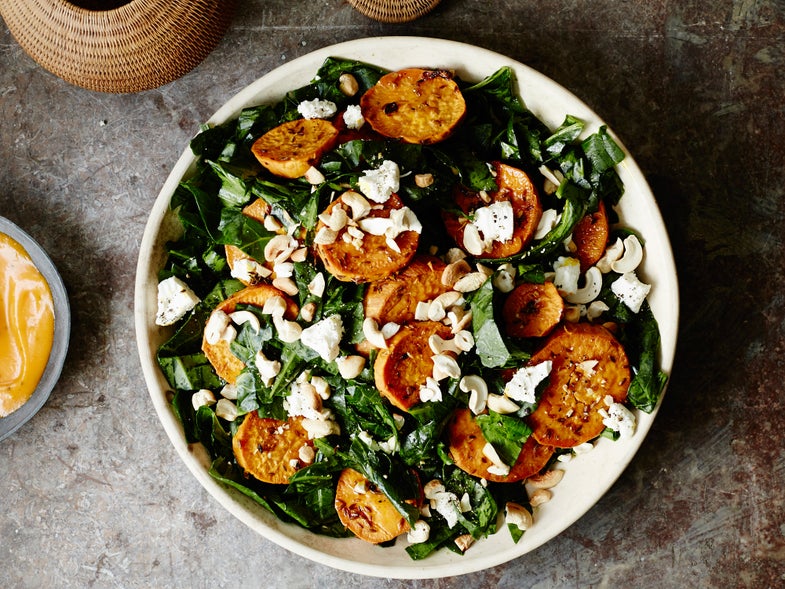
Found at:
[92, 493]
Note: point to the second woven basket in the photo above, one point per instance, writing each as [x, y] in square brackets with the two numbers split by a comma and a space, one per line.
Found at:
[135, 46]
[394, 11]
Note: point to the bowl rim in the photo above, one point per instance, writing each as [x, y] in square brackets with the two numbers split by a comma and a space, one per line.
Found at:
[62, 329]
[346, 554]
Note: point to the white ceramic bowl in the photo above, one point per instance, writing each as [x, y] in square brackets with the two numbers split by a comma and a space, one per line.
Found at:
[62, 332]
[587, 477]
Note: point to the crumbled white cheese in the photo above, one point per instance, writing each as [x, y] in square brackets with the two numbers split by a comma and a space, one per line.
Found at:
[353, 116]
[324, 337]
[317, 109]
[495, 222]
[631, 291]
[368, 440]
[588, 367]
[619, 419]
[523, 384]
[419, 533]
[303, 401]
[381, 183]
[443, 501]
[403, 219]
[249, 271]
[390, 446]
[567, 274]
[317, 284]
[175, 299]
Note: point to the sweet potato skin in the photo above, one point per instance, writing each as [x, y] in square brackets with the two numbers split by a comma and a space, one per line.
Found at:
[515, 186]
[465, 441]
[368, 515]
[289, 149]
[414, 105]
[226, 364]
[590, 237]
[376, 260]
[532, 310]
[402, 368]
[268, 449]
[568, 412]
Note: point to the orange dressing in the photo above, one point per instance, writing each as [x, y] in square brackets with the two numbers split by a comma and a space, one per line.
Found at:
[26, 325]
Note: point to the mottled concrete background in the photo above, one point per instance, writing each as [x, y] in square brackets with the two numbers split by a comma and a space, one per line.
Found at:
[91, 491]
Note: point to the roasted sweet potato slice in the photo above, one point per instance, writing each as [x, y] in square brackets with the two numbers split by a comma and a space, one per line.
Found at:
[289, 149]
[269, 449]
[415, 105]
[532, 310]
[591, 237]
[365, 510]
[589, 364]
[227, 365]
[372, 258]
[515, 187]
[395, 298]
[466, 442]
[402, 368]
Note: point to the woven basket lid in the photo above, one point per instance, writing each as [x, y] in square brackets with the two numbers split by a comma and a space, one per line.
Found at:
[130, 47]
[394, 11]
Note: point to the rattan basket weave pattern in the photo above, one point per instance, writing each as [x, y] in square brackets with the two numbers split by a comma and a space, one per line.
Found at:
[394, 11]
[140, 45]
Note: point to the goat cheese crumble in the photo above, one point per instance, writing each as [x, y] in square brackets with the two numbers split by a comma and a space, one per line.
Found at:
[175, 299]
[381, 183]
[523, 385]
[317, 109]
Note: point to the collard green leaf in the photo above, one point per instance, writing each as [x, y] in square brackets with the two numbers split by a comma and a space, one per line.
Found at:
[488, 340]
[506, 434]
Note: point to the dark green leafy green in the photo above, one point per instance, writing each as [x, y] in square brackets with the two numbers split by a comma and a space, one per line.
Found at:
[397, 453]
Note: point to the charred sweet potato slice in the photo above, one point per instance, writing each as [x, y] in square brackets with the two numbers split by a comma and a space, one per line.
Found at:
[289, 149]
[402, 368]
[268, 449]
[415, 105]
[591, 237]
[514, 186]
[395, 298]
[372, 258]
[589, 364]
[365, 510]
[227, 365]
[466, 442]
[532, 310]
